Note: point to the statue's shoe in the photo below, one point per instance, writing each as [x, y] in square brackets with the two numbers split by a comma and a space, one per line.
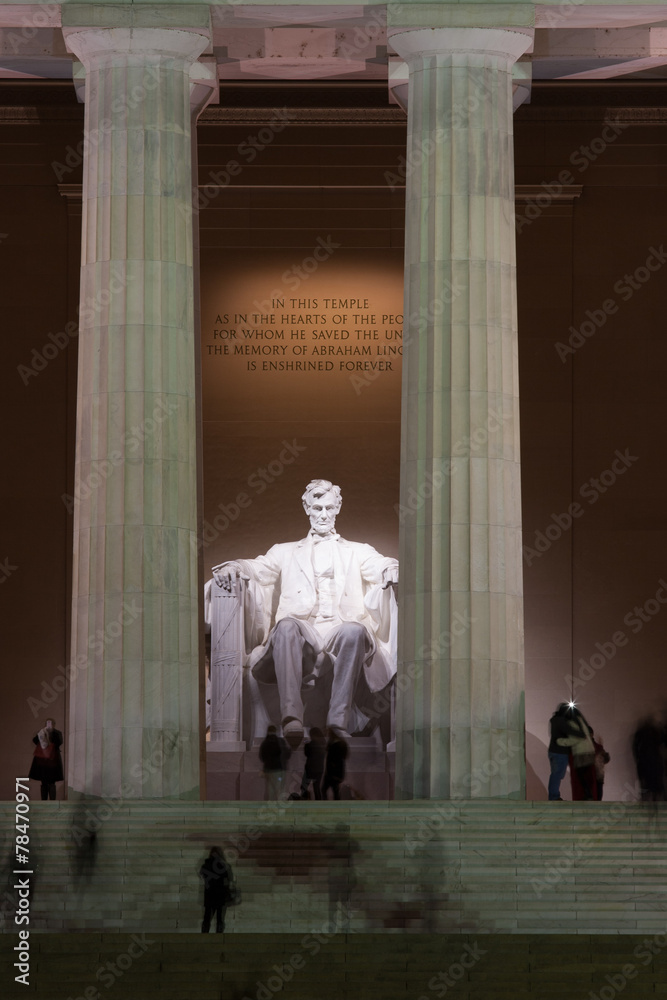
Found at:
[293, 733]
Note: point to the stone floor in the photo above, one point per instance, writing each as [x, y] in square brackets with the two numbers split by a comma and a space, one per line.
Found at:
[339, 967]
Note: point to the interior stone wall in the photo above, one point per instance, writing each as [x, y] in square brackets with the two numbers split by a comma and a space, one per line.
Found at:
[590, 580]
[40, 133]
[577, 413]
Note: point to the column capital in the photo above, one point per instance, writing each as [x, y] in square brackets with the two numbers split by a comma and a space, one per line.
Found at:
[101, 46]
[519, 14]
[415, 43]
[189, 17]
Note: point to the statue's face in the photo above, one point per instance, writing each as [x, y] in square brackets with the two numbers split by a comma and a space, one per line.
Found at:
[322, 513]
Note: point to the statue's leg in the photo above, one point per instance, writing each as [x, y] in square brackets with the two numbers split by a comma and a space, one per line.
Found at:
[348, 646]
[288, 646]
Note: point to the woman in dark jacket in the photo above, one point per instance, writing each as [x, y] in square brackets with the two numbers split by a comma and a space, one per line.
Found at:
[47, 765]
[218, 882]
[314, 752]
[334, 765]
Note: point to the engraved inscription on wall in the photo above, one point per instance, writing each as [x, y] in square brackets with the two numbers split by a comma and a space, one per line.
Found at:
[343, 334]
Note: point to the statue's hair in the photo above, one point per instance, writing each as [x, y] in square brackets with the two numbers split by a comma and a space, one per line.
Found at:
[317, 488]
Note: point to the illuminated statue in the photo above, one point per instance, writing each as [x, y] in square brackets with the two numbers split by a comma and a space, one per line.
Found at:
[327, 656]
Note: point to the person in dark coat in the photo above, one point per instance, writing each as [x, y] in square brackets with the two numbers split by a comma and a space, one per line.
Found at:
[274, 754]
[218, 879]
[602, 758]
[334, 768]
[648, 748]
[315, 752]
[559, 756]
[582, 756]
[47, 765]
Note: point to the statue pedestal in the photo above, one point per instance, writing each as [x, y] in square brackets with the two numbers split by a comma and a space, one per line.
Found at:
[236, 774]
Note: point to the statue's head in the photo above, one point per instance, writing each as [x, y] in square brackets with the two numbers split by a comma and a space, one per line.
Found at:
[322, 502]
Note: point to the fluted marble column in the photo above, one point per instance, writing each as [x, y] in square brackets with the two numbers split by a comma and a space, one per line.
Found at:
[134, 713]
[460, 697]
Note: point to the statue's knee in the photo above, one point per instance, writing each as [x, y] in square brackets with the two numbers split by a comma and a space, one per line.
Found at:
[354, 633]
[287, 627]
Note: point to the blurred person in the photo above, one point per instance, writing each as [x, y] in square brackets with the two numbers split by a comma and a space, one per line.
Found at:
[334, 767]
[218, 890]
[85, 840]
[341, 876]
[274, 754]
[315, 752]
[648, 749]
[47, 765]
[559, 756]
[602, 758]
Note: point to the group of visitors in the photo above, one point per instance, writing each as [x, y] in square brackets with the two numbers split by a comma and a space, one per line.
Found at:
[324, 769]
[573, 742]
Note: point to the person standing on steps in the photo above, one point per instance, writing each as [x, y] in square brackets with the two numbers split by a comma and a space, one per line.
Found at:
[559, 756]
[274, 754]
[315, 752]
[582, 766]
[334, 768]
[47, 765]
[218, 881]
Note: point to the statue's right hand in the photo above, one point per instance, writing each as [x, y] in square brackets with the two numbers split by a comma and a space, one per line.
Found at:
[226, 573]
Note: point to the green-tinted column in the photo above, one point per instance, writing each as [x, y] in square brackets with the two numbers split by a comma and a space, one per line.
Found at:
[460, 691]
[133, 728]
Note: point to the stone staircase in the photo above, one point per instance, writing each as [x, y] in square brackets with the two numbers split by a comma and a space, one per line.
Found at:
[454, 868]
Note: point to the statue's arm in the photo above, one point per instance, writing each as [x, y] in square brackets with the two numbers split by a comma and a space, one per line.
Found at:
[264, 570]
[376, 568]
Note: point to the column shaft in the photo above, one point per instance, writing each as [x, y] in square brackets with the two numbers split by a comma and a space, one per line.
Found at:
[134, 695]
[460, 703]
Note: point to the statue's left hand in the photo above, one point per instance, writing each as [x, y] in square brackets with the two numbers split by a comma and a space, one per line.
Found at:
[389, 578]
[225, 574]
